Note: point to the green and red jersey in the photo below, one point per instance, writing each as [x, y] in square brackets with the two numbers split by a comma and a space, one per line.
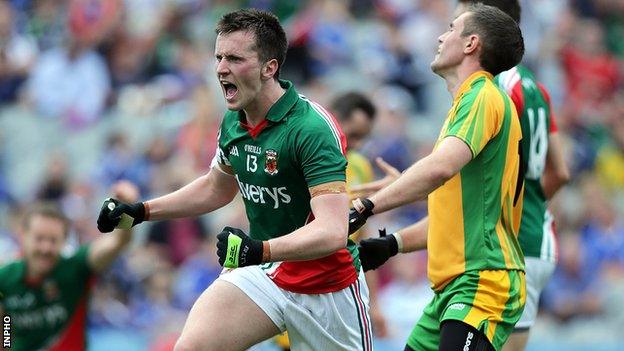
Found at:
[299, 145]
[537, 235]
[49, 314]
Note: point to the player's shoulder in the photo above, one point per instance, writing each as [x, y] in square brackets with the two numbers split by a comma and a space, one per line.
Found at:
[518, 75]
[309, 115]
[11, 273]
[483, 90]
[230, 119]
[76, 259]
[229, 123]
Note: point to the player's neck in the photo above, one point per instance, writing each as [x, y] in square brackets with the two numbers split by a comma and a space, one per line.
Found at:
[454, 78]
[256, 111]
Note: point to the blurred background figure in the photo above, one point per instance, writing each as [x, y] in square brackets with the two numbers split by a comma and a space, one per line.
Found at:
[47, 293]
[78, 77]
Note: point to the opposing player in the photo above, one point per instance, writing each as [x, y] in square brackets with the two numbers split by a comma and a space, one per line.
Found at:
[46, 294]
[296, 270]
[546, 172]
[473, 183]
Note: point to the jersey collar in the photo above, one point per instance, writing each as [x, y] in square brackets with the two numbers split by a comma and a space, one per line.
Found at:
[465, 86]
[280, 108]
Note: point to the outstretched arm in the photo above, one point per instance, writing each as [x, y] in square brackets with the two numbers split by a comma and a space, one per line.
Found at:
[205, 194]
[424, 176]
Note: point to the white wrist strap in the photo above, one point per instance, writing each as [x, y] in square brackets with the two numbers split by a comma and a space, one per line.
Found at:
[399, 241]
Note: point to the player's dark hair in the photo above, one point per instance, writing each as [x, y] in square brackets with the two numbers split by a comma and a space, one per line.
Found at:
[48, 210]
[510, 7]
[271, 42]
[502, 45]
[344, 105]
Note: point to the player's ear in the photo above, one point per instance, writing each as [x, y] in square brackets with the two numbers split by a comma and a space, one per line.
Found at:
[471, 43]
[269, 69]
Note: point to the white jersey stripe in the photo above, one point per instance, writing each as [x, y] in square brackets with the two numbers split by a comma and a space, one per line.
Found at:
[327, 118]
[509, 79]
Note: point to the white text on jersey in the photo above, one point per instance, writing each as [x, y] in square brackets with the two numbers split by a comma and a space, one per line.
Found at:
[257, 193]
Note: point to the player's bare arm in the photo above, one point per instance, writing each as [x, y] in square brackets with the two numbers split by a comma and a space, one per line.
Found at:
[105, 249]
[205, 194]
[424, 176]
[326, 234]
[414, 237]
[556, 172]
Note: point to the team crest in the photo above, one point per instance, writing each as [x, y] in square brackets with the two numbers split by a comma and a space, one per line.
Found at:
[270, 165]
[50, 290]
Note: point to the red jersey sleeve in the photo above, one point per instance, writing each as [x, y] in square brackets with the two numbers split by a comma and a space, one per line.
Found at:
[553, 123]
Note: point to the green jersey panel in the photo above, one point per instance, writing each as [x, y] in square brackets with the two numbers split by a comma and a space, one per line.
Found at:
[50, 314]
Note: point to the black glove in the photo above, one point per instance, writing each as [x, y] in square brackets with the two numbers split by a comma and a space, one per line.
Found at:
[237, 249]
[356, 218]
[112, 211]
[376, 251]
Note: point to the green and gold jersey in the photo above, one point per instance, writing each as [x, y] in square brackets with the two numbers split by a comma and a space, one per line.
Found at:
[474, 216]
[50, 314]
[537, 235]
[299, 145]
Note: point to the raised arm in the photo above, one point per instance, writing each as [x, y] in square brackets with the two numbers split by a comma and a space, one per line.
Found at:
[106, 248]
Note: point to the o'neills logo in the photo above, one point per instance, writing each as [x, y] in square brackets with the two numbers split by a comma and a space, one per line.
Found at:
[270, 165]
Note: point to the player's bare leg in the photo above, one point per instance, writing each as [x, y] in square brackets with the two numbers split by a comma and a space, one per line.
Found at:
[517, 341]
[224, 319]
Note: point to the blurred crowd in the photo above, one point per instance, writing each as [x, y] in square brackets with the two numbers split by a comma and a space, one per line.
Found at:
[95, 91]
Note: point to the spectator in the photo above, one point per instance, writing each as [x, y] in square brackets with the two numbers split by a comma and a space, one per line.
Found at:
[72, 82]
[17, 55]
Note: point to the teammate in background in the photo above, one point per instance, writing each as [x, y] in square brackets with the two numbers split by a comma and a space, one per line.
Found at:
[356, 114]
[546, 172]
[296, 271]
[46, 294]
[473, 183]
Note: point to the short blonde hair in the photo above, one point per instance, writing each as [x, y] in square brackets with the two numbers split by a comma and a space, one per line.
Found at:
[45, 209]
